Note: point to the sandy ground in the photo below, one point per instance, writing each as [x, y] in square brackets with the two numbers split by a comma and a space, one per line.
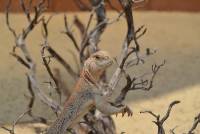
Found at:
[176, 36]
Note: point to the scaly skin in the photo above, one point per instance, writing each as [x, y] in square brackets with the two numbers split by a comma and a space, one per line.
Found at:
[86, 95]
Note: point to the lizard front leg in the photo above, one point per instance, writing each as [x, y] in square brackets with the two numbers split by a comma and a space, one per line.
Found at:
[109, 108]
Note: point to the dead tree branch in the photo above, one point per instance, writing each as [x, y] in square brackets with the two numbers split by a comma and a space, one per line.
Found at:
[55, 54]
[138, 83]
[194, 126]
[100, 11]
[69, 33]
[26, 10]
[79, 25]
[8, 20]
[172, 131]
[62, 83]
[31, 104]
[159, 122]
[91, 40]
[15, 122]
[46, 63]
[127, 7]
[20, 60]
[62, 62]
[20, 41]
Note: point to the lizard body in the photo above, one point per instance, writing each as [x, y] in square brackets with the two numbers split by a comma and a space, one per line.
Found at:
[87, 94]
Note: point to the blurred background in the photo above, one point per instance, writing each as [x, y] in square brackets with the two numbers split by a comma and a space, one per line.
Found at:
[159, 5]
[173, 29]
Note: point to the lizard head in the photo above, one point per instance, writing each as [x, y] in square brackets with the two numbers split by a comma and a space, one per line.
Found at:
[98, 62]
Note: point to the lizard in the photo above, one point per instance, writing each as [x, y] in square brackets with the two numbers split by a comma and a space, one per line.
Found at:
[87, 94]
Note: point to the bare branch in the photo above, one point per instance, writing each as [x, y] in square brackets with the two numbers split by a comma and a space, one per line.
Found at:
[32, 99]
[28, 61]
[63, 62]
[131, 33]
[149, 83]
[62, 83]
[46, 63]
[91, 40]
[169, 110]
[19, 118]
[139, 59]
[31, 104]
[68, 32]
[15, 122]
[21, 60]
[39, 10]
[142, 33]
[7, 19]
[194, 126]
[126, 57]
[8, 129]
[172, 131]
[159, 122]
[26, 10]
[132, 84]
[88, 40]
[79, 25]
[100, 11]
[151, 113]
[84, 42]
[127, 7]
[76, 60]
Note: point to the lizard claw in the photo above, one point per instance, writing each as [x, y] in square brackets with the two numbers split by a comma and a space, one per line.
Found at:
[127, 110]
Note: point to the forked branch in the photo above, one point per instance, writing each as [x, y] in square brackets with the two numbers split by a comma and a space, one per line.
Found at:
[138, 83]
[69, 33]
[127, 8]
[160, 121]
[27, 61]
[15, 122]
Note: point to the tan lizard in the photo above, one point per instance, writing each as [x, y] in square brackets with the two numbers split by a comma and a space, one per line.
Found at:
[87, 94]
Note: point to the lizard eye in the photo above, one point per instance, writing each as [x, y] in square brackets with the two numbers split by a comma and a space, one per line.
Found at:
[97, 57]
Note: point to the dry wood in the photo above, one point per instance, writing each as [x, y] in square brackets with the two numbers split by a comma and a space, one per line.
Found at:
[160, 121]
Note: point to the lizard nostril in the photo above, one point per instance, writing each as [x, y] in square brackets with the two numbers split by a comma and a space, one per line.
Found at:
[107, 57]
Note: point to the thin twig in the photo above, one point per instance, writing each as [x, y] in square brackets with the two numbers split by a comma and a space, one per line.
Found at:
[46, 63]
[8, 20]
[79, 25]
[194, 126]
[63, 62]
[26, 10]
[69, 33]
[159, 122]
[15, 122]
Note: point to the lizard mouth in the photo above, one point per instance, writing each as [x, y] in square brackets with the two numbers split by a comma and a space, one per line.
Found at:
[108, 63]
